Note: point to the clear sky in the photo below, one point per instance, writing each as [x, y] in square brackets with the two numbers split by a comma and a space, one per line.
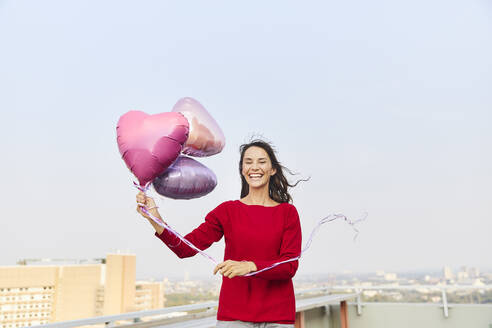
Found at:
[387, 106]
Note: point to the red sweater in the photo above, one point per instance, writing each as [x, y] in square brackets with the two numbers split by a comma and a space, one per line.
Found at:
[263, 235]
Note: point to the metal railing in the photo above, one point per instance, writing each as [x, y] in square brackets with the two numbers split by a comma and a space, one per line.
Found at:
[360, 289]
[110, 320]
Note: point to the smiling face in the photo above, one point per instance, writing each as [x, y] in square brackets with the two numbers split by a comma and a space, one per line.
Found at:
[257, 167]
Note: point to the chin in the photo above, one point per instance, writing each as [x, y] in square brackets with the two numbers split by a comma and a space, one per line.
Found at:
[258, 184]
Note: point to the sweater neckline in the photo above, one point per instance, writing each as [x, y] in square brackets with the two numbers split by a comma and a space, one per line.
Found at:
[262, 206]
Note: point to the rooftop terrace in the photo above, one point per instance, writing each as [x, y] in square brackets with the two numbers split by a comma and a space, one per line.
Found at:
[316, 308]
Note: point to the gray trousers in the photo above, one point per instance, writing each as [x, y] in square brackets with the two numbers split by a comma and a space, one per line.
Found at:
[246, 324]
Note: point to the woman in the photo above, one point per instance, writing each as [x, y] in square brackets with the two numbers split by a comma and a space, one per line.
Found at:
[260, 229]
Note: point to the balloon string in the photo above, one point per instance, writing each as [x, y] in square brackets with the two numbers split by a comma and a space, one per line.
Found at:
[329, 218]
[168, 227]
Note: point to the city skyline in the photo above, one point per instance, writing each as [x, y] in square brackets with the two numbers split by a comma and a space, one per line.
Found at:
[385, 106]
[40, 291]
[186, 275]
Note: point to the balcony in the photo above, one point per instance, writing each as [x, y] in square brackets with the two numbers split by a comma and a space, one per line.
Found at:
[321, 307]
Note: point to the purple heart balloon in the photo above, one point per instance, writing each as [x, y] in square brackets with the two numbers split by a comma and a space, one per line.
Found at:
[185, 179]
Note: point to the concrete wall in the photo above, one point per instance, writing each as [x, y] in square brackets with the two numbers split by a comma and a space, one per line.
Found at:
[318, 318]
[411, 315]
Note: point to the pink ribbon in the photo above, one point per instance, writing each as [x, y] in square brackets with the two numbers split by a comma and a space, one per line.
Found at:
[329, 218]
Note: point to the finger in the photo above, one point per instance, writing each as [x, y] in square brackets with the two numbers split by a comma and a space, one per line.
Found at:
[227, 272]
[218, 267]
[139, 210]
[231, 273]
[224, 270]
[229, 263]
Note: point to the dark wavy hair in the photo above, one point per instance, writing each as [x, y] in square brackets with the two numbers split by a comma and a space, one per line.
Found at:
[278, 185]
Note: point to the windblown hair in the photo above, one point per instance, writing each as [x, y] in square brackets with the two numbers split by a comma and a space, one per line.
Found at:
[278, 185]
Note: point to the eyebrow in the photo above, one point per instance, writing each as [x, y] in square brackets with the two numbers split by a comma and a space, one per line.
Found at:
[249, 158]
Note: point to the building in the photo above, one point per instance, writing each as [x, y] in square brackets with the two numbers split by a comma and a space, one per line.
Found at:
[390, 277]
[38, 294]
[149, 295]
[448, 273]
[119, 288]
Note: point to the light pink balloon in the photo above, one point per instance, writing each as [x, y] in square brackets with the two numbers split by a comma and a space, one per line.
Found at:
[149, 144]
[205, 137]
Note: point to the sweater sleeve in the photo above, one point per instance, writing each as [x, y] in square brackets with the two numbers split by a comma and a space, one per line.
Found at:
[290, 247]
[202, 237]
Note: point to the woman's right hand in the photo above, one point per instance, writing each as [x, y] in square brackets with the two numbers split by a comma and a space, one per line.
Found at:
[148, 202]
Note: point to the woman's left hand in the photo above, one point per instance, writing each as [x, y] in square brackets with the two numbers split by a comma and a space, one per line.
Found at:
[232, 268]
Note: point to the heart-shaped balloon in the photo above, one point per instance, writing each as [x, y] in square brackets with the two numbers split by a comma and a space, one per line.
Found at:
[149, 144]
[205, 137]
[185, 179]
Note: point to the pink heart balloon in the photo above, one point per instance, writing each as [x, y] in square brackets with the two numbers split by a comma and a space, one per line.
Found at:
[205, 137]
[149, 144]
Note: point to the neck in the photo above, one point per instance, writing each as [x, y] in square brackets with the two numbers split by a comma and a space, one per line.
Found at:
[258, 196]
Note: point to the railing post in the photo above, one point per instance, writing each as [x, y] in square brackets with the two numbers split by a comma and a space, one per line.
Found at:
[300, 321]
[445, 303]
[344, 314]
[327, 310]
[359, 304]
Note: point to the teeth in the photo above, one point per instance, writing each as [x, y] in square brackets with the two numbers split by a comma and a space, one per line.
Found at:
[255, 175]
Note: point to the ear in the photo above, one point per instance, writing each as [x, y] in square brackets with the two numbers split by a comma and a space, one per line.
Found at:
[274, 172]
